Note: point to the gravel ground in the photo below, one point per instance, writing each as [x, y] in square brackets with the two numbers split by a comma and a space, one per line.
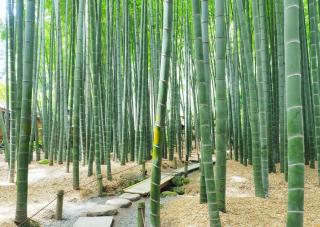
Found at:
[71, 212]
[45, 181]
[127, 217]
[243, 208]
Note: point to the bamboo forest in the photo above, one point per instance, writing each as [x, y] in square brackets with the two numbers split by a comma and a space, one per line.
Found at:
[173, 113]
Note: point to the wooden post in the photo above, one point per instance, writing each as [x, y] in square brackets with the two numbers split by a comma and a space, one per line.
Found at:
[59, 204]
[141, 214]
[186, 166]
[143, 170]
[100, 186]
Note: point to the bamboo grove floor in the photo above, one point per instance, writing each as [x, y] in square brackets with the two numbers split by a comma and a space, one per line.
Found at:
[243, 209]
[45, 181]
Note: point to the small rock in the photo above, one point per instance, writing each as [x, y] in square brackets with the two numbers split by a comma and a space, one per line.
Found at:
[131, 197]
[102, 211]
[119, 203]
[93, 221]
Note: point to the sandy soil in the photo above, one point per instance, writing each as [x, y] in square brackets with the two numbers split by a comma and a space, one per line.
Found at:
[45, 181]
[243, 209]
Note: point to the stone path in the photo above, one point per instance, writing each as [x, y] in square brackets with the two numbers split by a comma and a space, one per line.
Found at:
[103, 210]
[131, 197]
[119, 203]
[94, 221]
[102, 215]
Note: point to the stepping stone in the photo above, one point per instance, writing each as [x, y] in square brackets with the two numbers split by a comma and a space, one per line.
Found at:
[102, 211]
[131, 197]
[119, 203]
[94, 222]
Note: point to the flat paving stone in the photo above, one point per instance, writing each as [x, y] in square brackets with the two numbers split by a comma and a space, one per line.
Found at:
[119, 203]
[102, 211]
[130, 196]
[94, 222]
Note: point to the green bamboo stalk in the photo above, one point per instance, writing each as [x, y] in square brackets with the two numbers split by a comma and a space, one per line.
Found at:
[281, 79]
[160, 114]
[262, 89]
[204, 116]
[253, 116]
[19, 49]
[60, 82]
[314, 52]
[294, 114]
[221, 103]
[76, 97]
[25, 122]
[12, 163]
[95, 85]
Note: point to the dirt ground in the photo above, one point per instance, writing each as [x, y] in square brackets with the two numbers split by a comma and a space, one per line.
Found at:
[45, 181]
[243, 209]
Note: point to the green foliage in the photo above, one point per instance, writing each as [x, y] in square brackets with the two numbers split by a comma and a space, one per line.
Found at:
[186, 181]
[2, 31]
[179, 190]
[180, 181]
[2, 88]
[177, 181]
[168, 194]
[43, 162]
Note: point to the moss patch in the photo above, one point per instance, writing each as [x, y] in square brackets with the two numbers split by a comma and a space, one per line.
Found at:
[178, 190]
[43, 162]
[168, 194]
[179, 181]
